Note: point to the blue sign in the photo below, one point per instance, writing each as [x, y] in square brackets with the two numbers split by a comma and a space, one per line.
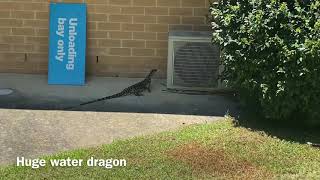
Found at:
[67, 49]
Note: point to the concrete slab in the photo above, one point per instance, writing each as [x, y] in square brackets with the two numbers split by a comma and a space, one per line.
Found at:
[28, 133]
[33, 92]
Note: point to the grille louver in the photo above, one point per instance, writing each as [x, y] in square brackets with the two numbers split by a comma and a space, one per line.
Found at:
[193, 61]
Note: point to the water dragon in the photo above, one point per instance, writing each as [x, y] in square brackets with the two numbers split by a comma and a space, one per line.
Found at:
[136, 89]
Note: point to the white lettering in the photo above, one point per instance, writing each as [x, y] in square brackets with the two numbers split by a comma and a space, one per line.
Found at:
[60, 51]
[107, 163]
[66, 162]
[20, 161]
[70, 67]
[33, 163]
[72, 54]
[60, 31]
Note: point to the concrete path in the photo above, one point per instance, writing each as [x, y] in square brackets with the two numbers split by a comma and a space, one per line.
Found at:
[33, 92]
[30, 134]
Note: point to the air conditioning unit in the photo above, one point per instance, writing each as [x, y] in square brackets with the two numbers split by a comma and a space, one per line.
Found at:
[193, 62]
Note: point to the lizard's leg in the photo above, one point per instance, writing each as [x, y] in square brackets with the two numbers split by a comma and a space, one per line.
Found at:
[149, 87]
[138, 93]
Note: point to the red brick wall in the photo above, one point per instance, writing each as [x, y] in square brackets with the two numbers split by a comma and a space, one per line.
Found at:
[128, 37]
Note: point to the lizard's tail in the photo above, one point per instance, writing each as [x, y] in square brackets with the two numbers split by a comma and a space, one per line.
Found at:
[96, 100]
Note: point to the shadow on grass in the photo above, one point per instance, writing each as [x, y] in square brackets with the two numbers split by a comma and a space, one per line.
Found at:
[286, 130]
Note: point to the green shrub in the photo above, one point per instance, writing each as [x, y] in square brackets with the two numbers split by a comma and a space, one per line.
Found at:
[271, 53]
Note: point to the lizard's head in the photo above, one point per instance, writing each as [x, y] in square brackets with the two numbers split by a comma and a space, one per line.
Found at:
[152, 72]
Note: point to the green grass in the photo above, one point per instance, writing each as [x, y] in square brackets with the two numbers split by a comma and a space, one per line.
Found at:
[197, 152]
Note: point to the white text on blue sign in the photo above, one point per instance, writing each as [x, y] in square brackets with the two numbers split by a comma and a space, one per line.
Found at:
[72, 54]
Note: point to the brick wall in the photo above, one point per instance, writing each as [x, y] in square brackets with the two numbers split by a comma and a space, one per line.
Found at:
[125, 37]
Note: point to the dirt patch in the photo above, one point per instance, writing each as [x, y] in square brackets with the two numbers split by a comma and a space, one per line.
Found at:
[216, 162]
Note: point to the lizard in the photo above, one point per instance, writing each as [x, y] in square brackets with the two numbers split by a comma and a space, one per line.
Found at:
[136, 89]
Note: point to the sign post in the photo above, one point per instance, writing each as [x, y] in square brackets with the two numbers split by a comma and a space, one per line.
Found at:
[67, 44]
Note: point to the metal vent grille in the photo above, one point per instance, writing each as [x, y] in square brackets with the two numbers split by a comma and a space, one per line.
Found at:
[196, 64]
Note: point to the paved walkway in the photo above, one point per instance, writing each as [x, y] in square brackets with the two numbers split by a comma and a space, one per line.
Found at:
[33, 92]
[35, 133]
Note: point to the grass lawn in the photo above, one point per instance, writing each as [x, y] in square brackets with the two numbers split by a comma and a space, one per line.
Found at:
[197, 152]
